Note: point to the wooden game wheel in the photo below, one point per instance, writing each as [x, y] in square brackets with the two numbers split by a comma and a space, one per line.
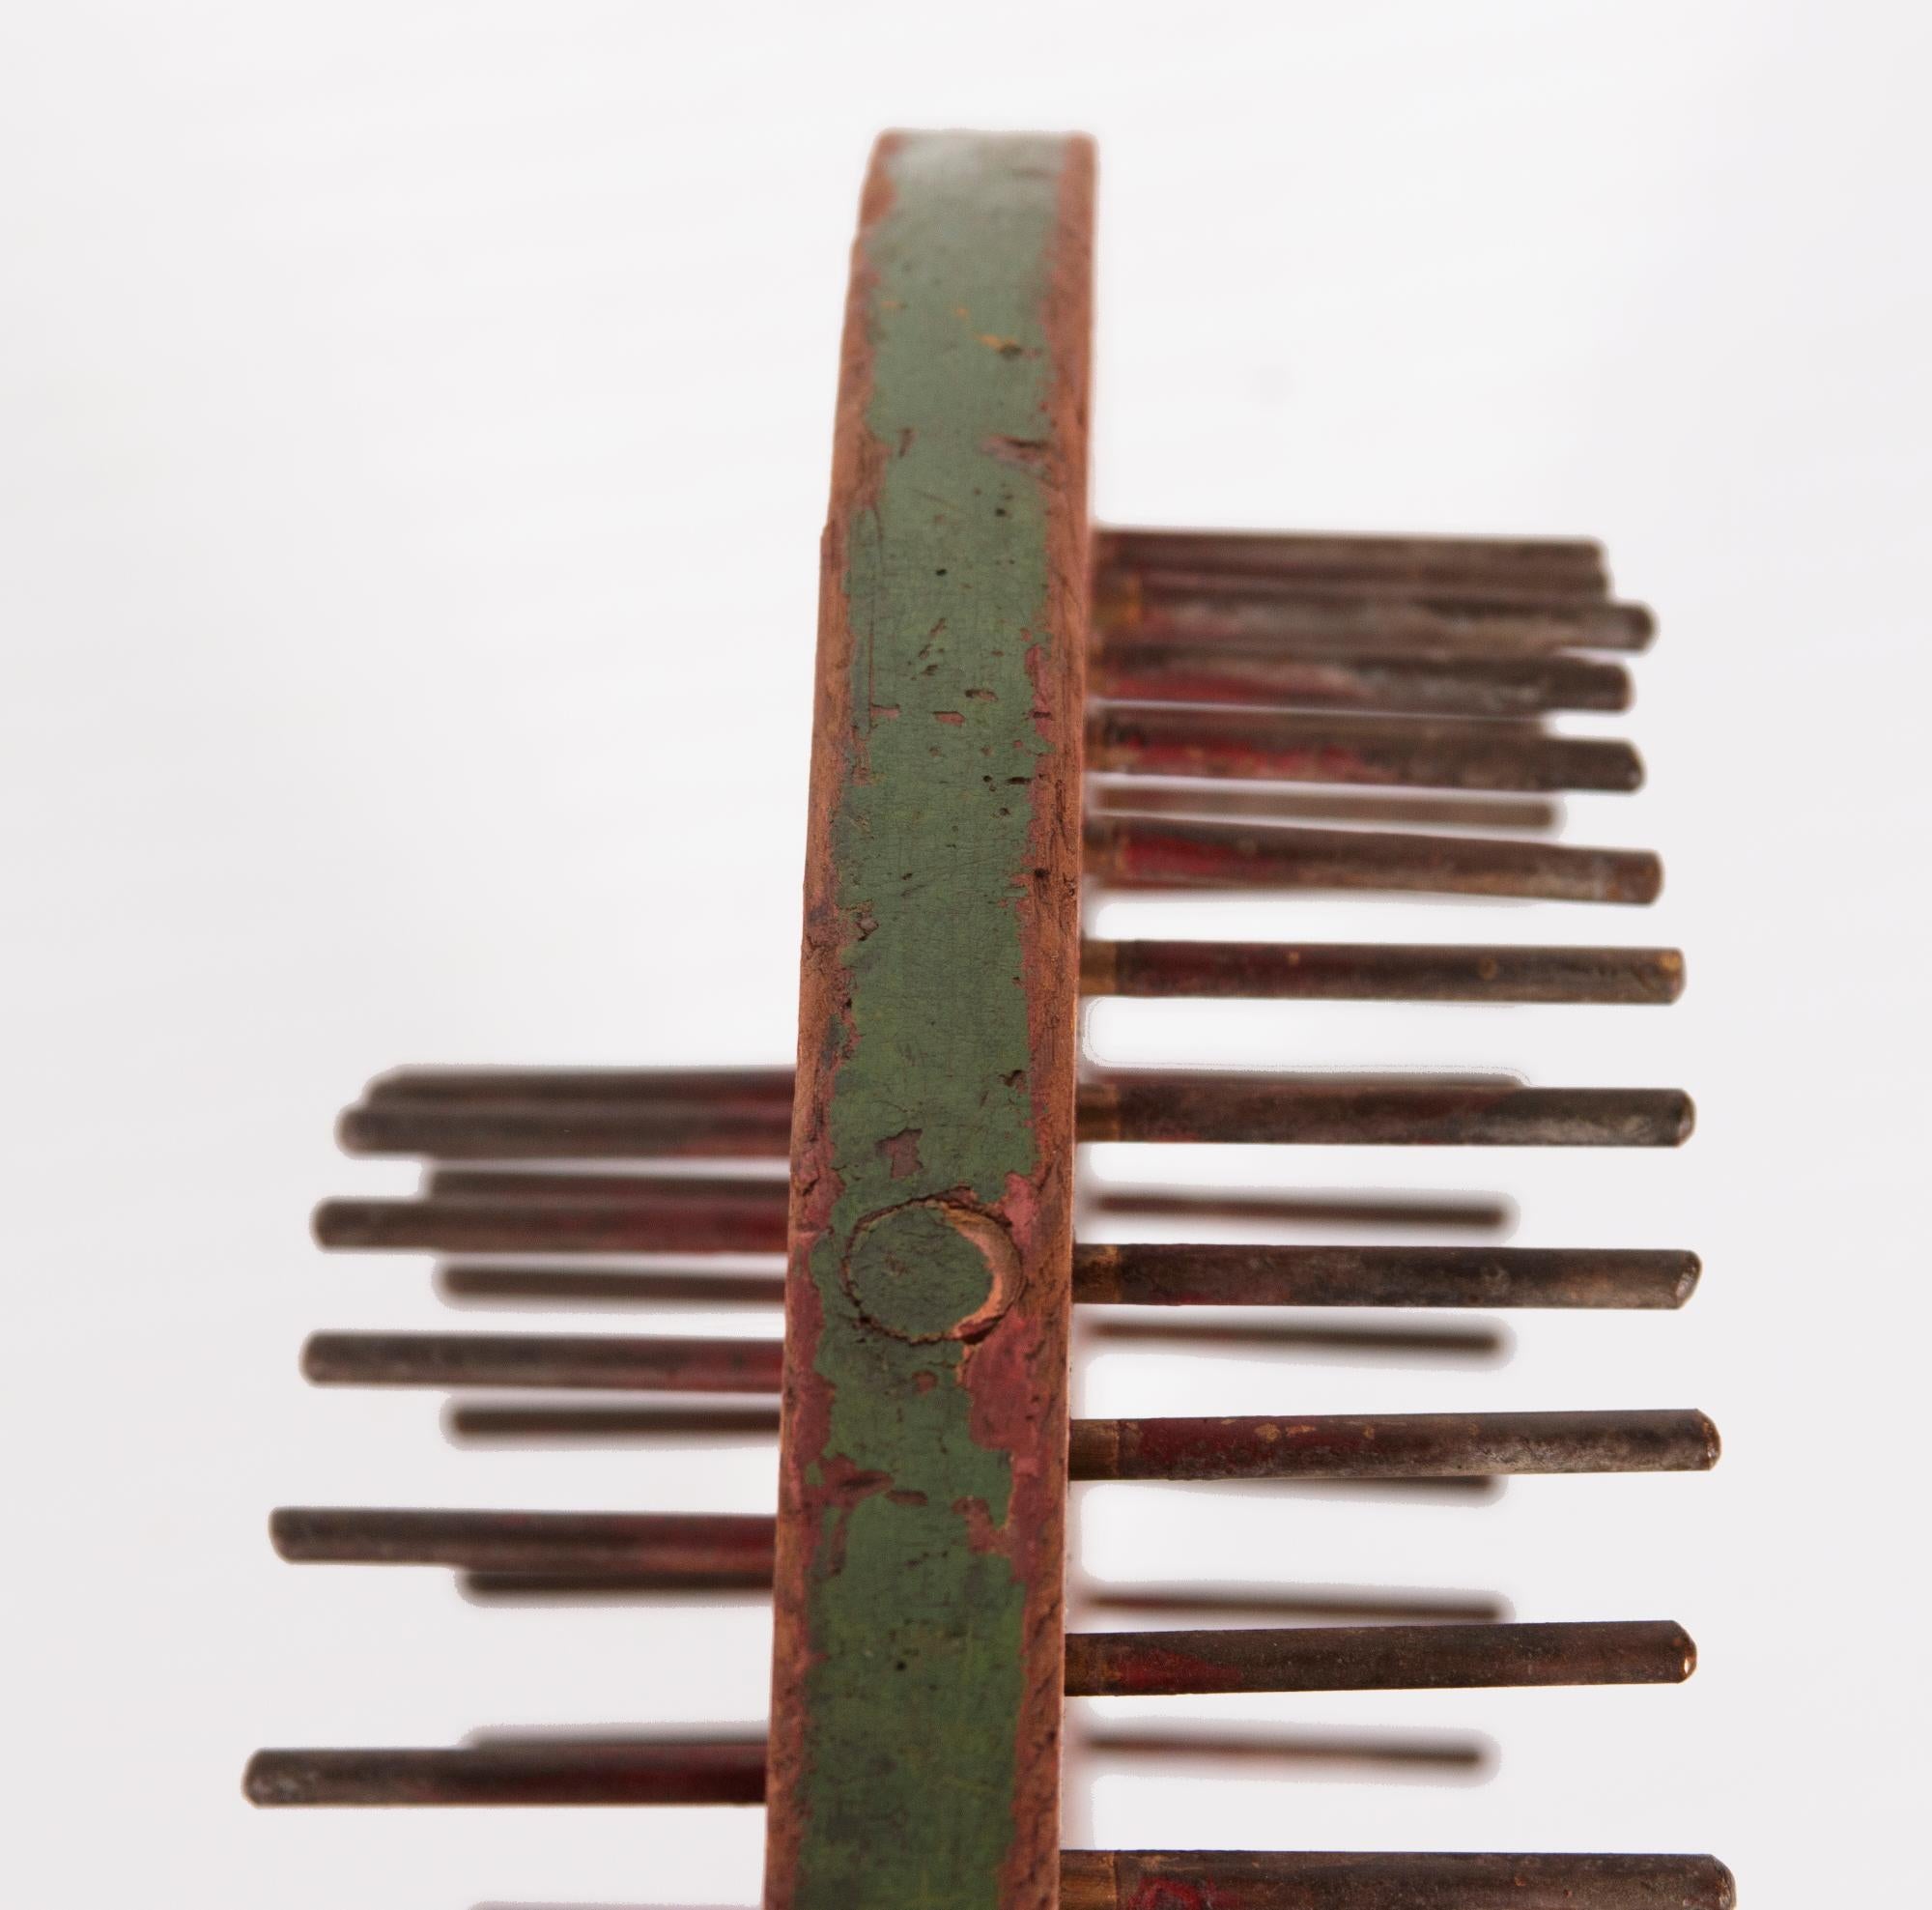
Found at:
[1012, 708]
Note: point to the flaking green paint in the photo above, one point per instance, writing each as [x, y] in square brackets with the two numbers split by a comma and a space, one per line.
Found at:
[915, 1685]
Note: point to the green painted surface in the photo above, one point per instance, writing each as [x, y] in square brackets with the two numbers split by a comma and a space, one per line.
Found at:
[916, 1691]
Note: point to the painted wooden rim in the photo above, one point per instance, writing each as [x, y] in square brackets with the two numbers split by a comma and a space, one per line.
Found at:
[915, 1746]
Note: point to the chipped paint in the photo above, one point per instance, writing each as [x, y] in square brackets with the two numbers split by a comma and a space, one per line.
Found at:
[916, 1701]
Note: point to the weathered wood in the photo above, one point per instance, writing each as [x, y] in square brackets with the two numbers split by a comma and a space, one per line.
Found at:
[917, 1694]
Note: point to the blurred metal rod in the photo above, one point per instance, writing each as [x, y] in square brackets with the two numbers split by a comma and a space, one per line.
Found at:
[1379, 1880]
[466, 1282]
[1375, 1658]
[545, 1128]
[1124, 853]
[679, 1087]
[1413, 1445]
[1413, 1604]
[597, 1361]
[1372, 1340]
[608, 1363]
[554, 1221]
[1372, 972]
[730, 1770]
[593, 1425]
[1313, 1110]
[1281, 746]
[1153, 1273]
[1261, 801]
[675, 1551]
[1196, 672]
[1426, 1754]
[698, 1190]
[1474, 1213]
[1259, 613]
[541, 1589]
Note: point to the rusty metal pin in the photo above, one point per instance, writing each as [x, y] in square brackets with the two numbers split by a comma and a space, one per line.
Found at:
[1149, 1273]
[675, 1551]
[553, 1425]
[1324, 1111]
[464, 1282]
[554, 1221]
[1257, 613]
[700, 1191]
[1472, 1214]
[1392, 1446]
[1370, 972]
[1214, 1273]
[1258, 802]
[595, 1772]
[1387, 1880]
[1574, 565]
[1200, 673]
[539, 1588]
[591, 1772]
[567, 1771]
[543, 1129]
[588, 1771]
[562, 1092]
[1365, 1880]
[597, 1361]
[672, 1087]
[1414, 1604]
[1413, 1445]
[1376, 1658]
[1281, 746]
[1218, 1274]
[1461, 1211]
[607, 1363]
[1303, 1110]
[1126, 853]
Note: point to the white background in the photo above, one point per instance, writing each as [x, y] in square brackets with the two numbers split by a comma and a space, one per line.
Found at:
[413, 426]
